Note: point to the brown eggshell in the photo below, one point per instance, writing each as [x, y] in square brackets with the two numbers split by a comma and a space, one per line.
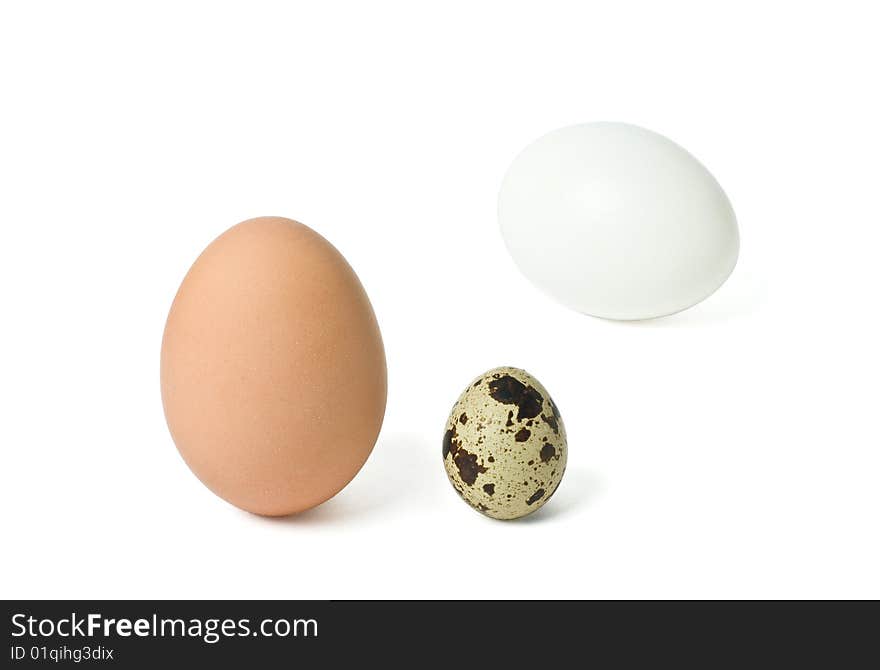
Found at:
[272, 368]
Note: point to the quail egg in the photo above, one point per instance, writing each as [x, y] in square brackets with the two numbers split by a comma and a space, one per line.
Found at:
[505, 447]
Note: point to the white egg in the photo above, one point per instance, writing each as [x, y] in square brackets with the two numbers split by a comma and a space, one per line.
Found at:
[617, 221]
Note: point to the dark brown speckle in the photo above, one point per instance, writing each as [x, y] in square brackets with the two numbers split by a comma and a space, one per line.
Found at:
[510, 391]
[467, 465]
[536, 496]
[551, 421]
[450, 444]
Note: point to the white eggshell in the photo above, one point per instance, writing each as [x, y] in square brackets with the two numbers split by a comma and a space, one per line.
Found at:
[617, 221]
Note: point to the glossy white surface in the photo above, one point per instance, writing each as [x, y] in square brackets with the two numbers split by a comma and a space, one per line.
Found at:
[617, 221]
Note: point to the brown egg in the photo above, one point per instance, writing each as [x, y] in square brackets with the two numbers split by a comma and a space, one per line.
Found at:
[272, 369]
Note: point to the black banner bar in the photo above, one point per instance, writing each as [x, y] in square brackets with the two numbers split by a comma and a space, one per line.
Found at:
[531, 633]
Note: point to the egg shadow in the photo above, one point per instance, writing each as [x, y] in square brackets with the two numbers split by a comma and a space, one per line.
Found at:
[397, 473]
[724, 305]
[578, 488]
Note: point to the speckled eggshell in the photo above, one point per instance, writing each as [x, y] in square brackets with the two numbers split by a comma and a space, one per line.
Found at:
[504, 448]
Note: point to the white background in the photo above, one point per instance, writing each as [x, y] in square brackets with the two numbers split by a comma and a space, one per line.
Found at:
[729, 451]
